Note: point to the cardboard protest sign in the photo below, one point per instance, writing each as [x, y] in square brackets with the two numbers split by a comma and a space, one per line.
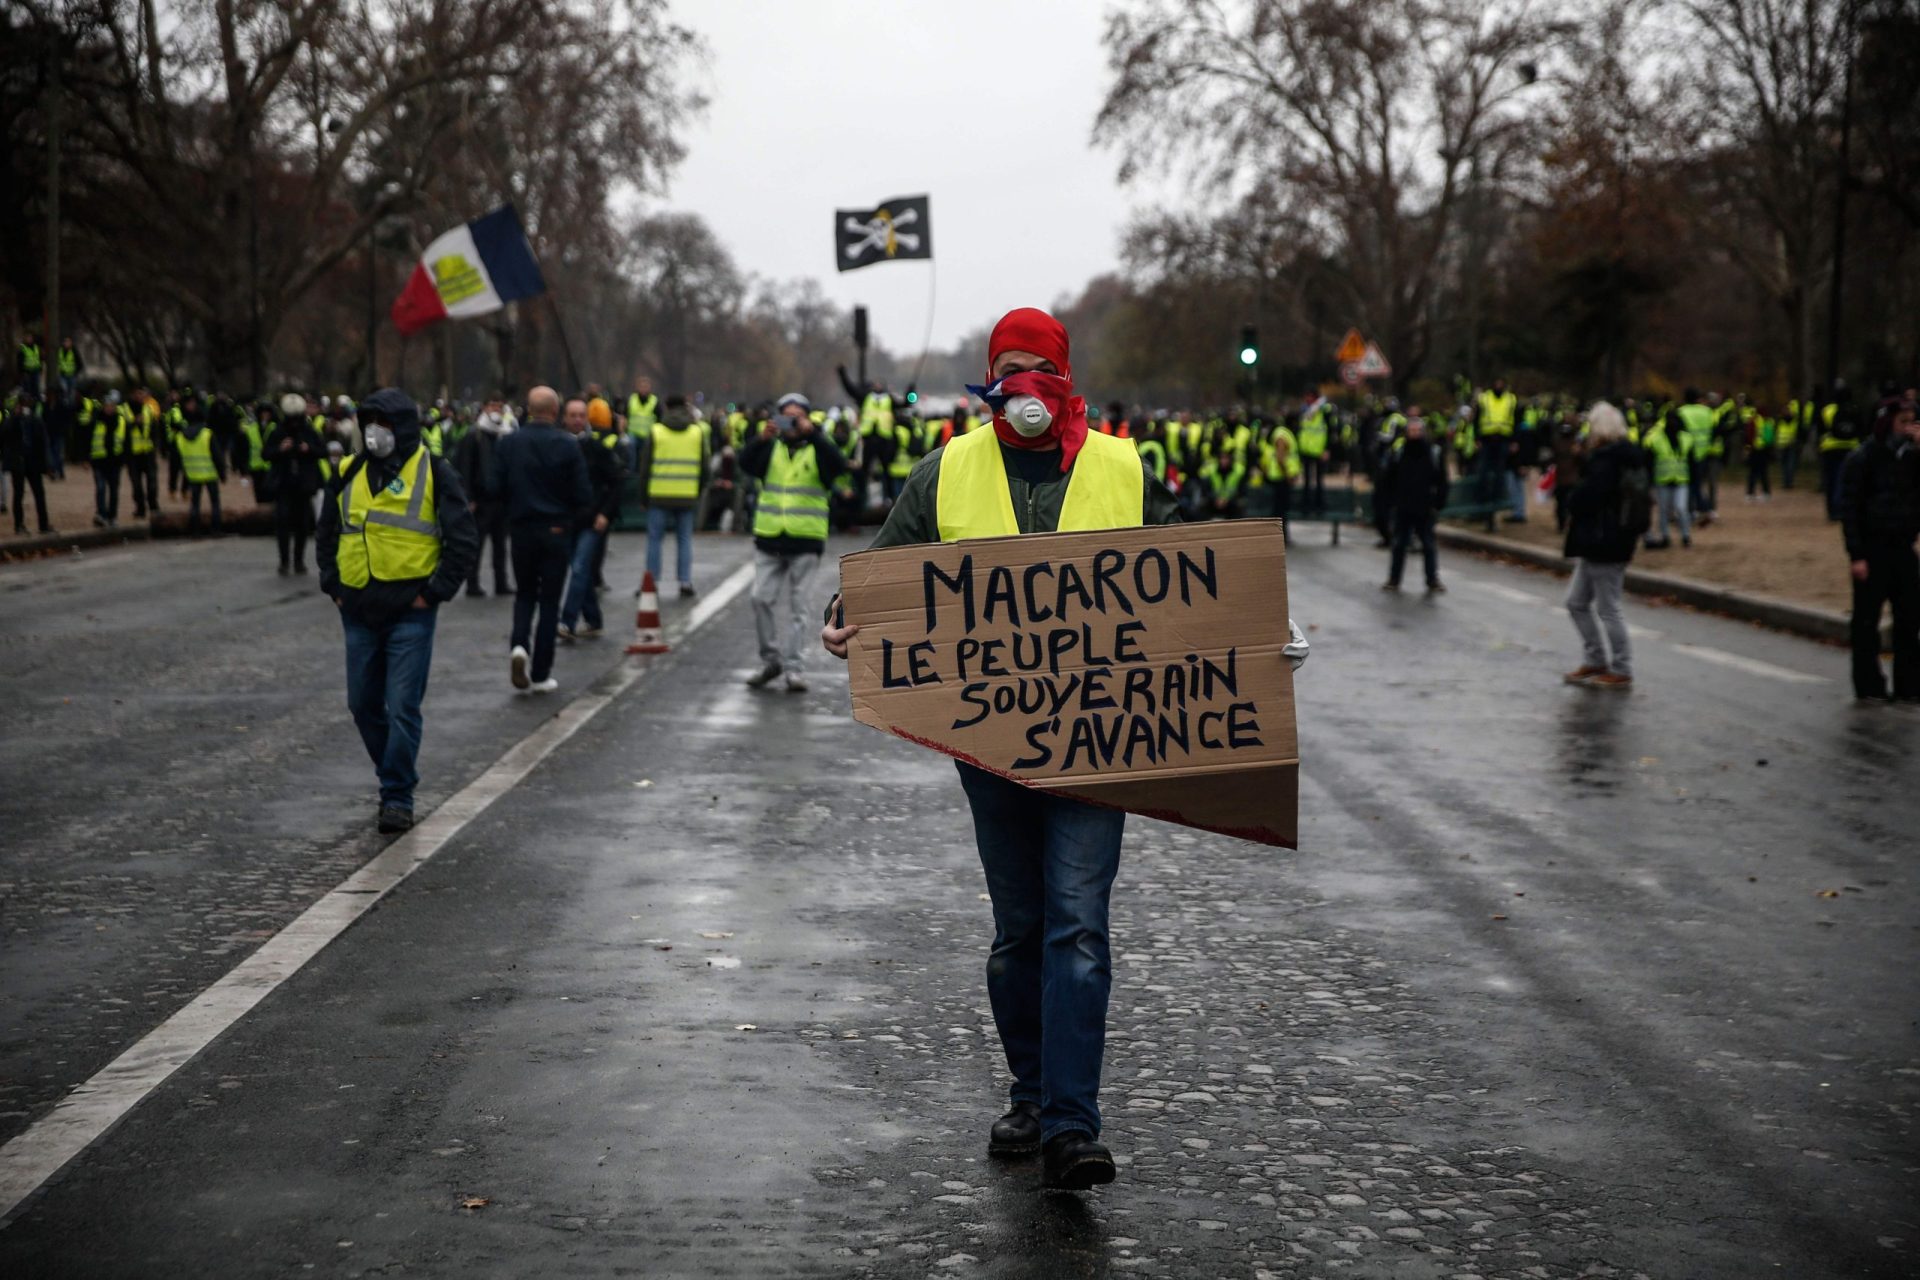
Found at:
[1138, 668]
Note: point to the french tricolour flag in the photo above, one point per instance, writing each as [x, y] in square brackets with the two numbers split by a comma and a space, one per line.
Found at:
[470, 271]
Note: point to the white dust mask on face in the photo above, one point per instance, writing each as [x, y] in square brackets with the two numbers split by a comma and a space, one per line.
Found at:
[379, 440]
[1028, 415]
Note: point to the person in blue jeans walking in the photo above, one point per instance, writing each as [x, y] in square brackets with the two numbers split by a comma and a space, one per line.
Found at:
[674, 461]
[591, 423]
[1049, 861]
[395, 542]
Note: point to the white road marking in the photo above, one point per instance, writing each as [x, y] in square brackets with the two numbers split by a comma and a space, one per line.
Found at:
[1505, 593]
[1752, 666]
[94, 1107]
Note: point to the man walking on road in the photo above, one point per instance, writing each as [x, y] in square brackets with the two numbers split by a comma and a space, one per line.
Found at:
[1414, 482]
[23, 456]
[591, 425]
[1606, 514]
[474, 457]
[1050, 861]
[797, 468]
[673, 474]
[1879, 488]
[203, 467]
[543, 478]
[395, 542]
[292, 450]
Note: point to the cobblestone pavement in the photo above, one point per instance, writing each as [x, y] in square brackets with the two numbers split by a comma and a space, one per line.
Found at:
[1548, 992]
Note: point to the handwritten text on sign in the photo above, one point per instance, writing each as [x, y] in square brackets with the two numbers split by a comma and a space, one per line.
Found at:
[1061, 650]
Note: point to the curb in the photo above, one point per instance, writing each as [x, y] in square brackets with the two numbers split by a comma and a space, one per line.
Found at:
[1826, 625]
[85, 539]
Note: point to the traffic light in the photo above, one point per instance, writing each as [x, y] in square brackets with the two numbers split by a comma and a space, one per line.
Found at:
[913, 397]
[1249, 345]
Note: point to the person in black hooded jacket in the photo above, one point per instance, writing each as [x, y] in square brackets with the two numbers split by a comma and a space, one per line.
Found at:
[396, 541]
[1879, 504]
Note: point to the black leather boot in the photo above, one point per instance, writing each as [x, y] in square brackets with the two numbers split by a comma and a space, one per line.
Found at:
[1074, 1161]
[1016, 1133]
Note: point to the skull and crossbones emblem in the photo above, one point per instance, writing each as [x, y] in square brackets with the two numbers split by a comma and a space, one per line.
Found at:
[882, 232]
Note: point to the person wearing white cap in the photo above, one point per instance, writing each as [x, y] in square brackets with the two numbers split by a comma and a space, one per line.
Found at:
[293, 452]
[796, 464]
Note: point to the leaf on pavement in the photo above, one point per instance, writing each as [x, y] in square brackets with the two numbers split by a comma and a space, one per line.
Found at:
[716, 935]
[746, 1026]
[1827, 893]
[1499, 917]
[476, 1202]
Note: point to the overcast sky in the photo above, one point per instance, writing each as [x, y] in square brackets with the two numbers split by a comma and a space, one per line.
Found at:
[986, 105]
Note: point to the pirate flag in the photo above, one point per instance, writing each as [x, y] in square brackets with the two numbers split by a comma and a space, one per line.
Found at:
[899, 228]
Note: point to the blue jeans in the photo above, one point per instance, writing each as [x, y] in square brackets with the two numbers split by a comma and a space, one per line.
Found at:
[386, 680]
[1050, 863]
[657, 517]
[581, 598]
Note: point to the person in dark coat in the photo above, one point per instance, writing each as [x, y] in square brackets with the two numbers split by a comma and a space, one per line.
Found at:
[1600, 540]
[473, 456]
[544, 478]
[592, 425]
[1413, 484]
[1879, 489]
[23, 448]
[293, 451]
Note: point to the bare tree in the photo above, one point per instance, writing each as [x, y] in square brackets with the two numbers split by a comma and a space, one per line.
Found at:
[1771, 74]
[1379, 109]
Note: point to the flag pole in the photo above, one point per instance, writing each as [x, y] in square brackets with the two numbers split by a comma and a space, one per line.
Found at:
[926, 340]
[565, 345]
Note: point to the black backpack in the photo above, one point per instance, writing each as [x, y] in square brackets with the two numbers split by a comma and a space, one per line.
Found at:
[1636, 495]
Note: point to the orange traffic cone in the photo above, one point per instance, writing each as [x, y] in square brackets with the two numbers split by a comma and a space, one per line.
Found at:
[646, 621]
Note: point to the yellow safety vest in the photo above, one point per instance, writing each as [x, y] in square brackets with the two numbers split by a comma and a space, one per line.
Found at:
[196, 458]
[109, 431]
[793, 502]
[431, 437]
[675, 469]
[1105, 490]
[1496, 413]
[393, 535]
[876, 414]
[1283, 462]
[1313, 434]
[640, 414]
[140, 431]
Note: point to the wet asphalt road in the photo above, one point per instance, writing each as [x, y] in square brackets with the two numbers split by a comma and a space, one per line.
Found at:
[1548, 991]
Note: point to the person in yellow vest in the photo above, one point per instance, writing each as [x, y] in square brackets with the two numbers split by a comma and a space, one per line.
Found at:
[105, 422]
[1049, 860]
[1786, 442]
[144, 440]
[68, 366]
[32, 363]
[1840, 434]
[1495, 416]
[797, 467]
[203, 468]
[1315, 420]
[396, 541]
[674, 458]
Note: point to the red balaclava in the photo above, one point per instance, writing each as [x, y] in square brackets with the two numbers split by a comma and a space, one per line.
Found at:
[1031, 329]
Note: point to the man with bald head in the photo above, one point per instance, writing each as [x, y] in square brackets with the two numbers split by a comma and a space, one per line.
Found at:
[543, 478]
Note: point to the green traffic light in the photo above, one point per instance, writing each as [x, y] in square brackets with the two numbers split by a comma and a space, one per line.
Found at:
[1249, 355]
[913, 397]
